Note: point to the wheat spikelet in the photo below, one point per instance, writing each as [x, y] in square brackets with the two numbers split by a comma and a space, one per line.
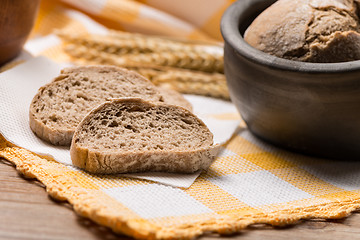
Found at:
[125, 43]
[188, 60]
[129, 44]
[88, 54]
[192, 82]
[126, 35]
[106, 44]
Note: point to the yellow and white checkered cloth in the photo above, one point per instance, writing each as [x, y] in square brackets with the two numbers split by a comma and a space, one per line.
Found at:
[250, 182]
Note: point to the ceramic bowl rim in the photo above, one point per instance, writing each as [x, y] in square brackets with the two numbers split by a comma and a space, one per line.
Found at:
[231, 34]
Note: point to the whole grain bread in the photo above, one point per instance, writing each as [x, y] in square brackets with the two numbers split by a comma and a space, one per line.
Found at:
[133, 135]
[59, 106]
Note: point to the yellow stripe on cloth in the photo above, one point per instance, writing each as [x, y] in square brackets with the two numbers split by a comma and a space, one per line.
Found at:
[53, 15]
[305, 181]
[221, 202]
[212, 25]
[121, 11]
[137, 17]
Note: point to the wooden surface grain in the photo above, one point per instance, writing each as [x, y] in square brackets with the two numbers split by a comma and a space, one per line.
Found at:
[26, 212]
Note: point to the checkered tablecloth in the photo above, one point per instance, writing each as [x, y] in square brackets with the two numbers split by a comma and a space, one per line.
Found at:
[250, 182]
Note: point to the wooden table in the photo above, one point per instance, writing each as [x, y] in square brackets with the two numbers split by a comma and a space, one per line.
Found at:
[26, 212]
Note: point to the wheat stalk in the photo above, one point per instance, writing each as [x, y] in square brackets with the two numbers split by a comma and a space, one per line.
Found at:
[187, 68]
[182, 80]
[188, 60]
[124, 35]
[191, 82]
[132, 43]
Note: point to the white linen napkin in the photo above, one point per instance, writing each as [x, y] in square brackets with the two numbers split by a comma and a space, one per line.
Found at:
[20, 84]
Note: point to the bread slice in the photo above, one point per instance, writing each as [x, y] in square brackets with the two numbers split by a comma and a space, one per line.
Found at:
[133, 135]
[59, 106]
[173, 97]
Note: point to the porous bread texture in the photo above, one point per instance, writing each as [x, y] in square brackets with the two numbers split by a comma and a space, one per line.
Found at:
[308, 30]
[167, 95]
[133, 135]
[59, 106]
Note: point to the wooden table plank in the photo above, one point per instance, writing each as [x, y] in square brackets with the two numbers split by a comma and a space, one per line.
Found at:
[26, 212]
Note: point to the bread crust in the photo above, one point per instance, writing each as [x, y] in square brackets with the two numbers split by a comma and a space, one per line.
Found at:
[54, 136]
[51, 135]
[110, 162]
[151, 161]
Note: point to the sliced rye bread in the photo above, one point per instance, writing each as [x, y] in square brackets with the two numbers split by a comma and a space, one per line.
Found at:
[59, 106]
[133, 135]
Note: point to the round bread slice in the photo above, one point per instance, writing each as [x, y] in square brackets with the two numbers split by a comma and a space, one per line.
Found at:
[59, 106]
[133, 135]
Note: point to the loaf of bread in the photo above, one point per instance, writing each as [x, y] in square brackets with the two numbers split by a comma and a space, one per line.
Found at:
[133, 135]
[308, 30]
[59, 106]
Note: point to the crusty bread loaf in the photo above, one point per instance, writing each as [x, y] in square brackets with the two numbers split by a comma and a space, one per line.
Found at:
[308, 30]
[59, 106]
[132, 135]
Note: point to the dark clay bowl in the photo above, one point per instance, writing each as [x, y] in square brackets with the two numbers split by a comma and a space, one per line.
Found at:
[312, 108]
[17, 18]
